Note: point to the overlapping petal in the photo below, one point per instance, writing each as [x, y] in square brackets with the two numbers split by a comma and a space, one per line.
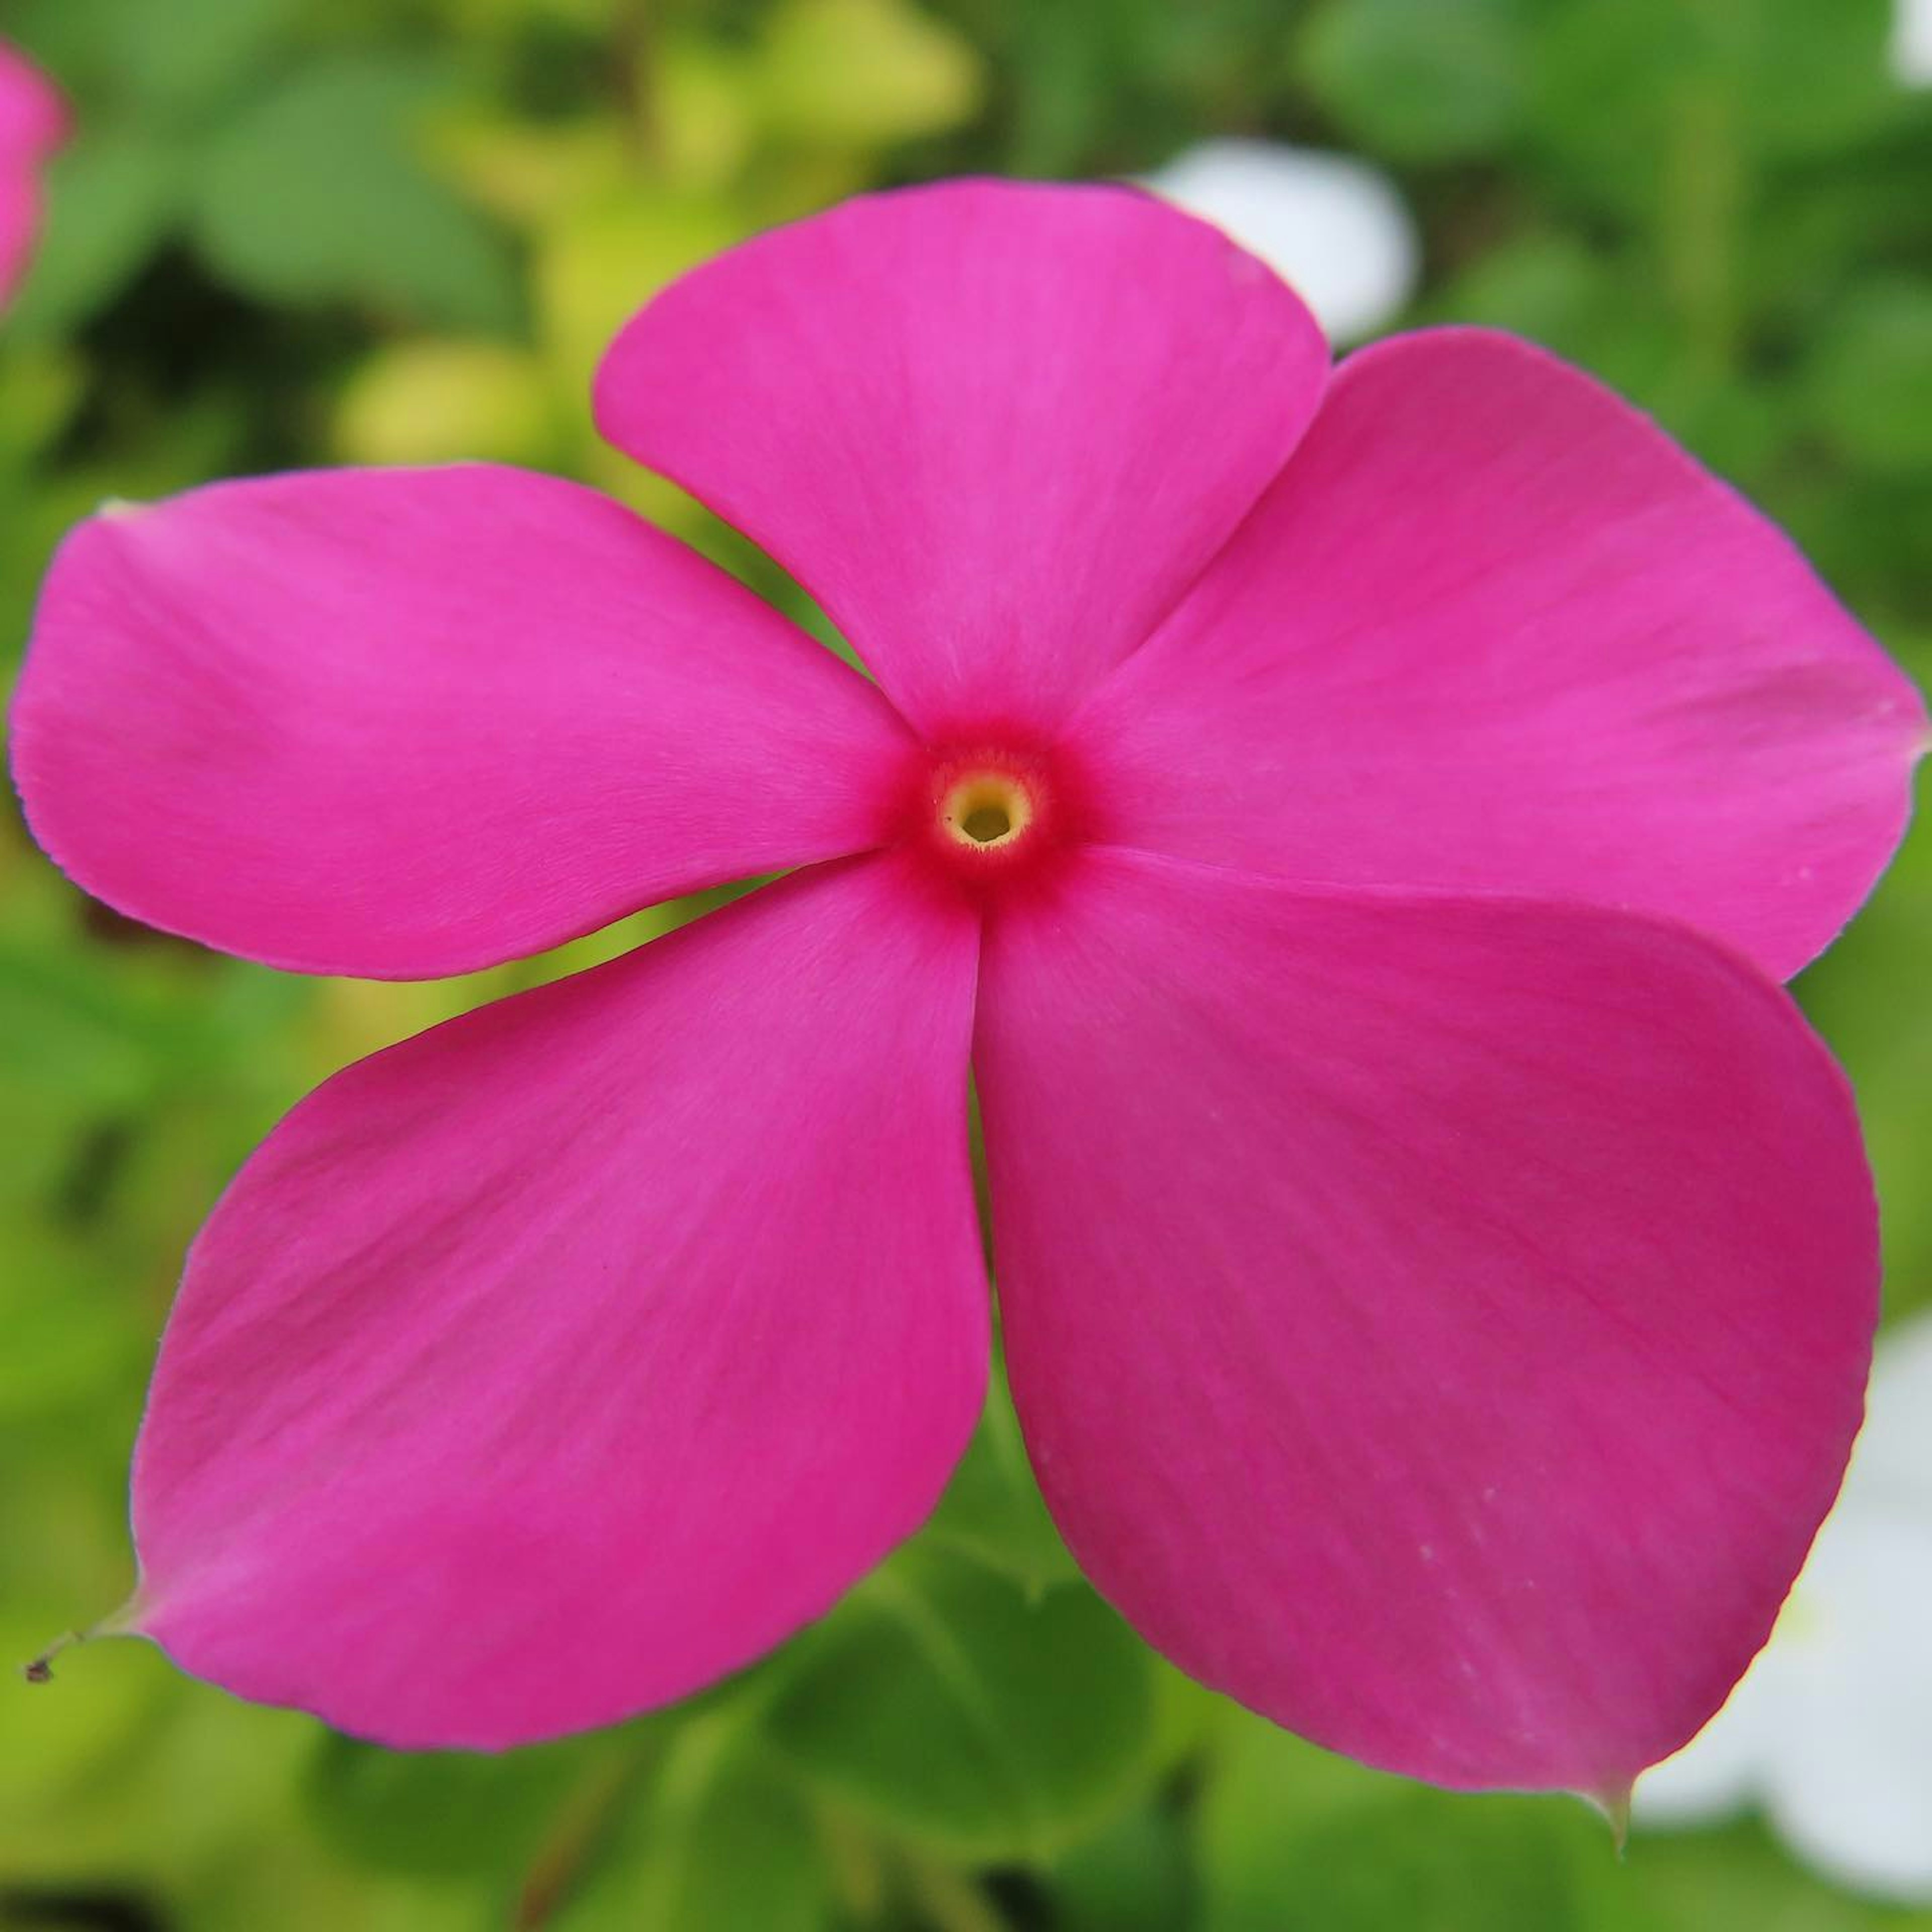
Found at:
[33, 123]
[1492, 630]
[404, 723]
[547, 1366]
[997, 429]
[1440, 1323]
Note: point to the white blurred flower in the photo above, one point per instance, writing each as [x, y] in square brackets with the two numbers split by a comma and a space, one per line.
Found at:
[1336, 229]
[1911, 43]
[1831, 1729]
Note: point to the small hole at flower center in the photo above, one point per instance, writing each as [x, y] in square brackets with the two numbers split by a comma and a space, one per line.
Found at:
[985, 823]
[986, 810]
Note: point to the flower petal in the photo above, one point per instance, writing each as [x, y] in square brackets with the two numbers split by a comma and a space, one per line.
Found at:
[997, 429]
[1492, 630]
[33, 117]
[1439, 1323]
[549, 1365]
[33, 123]
[404, 723]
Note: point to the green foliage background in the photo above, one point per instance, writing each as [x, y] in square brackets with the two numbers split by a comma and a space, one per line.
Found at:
[303, 231]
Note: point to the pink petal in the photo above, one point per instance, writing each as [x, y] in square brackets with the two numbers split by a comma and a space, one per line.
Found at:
[1440, 1323]
[1492, 630]
[34, 119]
[997, 429]
[552, 1364]
[403, 723]
[33, 123]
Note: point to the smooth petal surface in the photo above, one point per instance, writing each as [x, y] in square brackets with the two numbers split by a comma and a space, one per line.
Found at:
[33, 123]
[405, 723]
[996, 429]
[1492, 630]
[549, 1365]
[1440, 1324]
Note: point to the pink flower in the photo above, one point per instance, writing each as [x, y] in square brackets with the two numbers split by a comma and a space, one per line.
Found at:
[33, 123]
[1356, 823]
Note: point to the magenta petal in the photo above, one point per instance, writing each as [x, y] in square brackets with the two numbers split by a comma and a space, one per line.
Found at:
[403, 723]
[1439, 1323]
[1492, 630]
[550, 1365]
[33, 123]
[997, 429]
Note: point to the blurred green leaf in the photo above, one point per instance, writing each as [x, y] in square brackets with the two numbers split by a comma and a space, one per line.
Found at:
[61, 1742]
[441, 1813]
[1296, 1840]
[187, 54]
[66, 1339]
[1813, 78]
[1551, 286]
[39, 389]
[1266, 1791]
[1735, 1874]
[1867, 996]
[1419, 80]
[1868, 383]
[861, 72]
[316, 194]
[1639, 100]
[1134, 1877]
[112, 199]
[77, 1038]
[165, 61]
[992, 1509]
[436, 400]
[947, 1704]
[598, 266]
[717, 1839]
[1434, 1863]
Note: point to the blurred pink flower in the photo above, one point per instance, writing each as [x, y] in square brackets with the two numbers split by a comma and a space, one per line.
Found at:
[33, 123]
[1356, 823]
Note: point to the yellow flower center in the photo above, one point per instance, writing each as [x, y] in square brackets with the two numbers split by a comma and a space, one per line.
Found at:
[986, 809]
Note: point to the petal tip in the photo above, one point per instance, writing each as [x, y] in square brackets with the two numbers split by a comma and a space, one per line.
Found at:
[1611, 1801]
